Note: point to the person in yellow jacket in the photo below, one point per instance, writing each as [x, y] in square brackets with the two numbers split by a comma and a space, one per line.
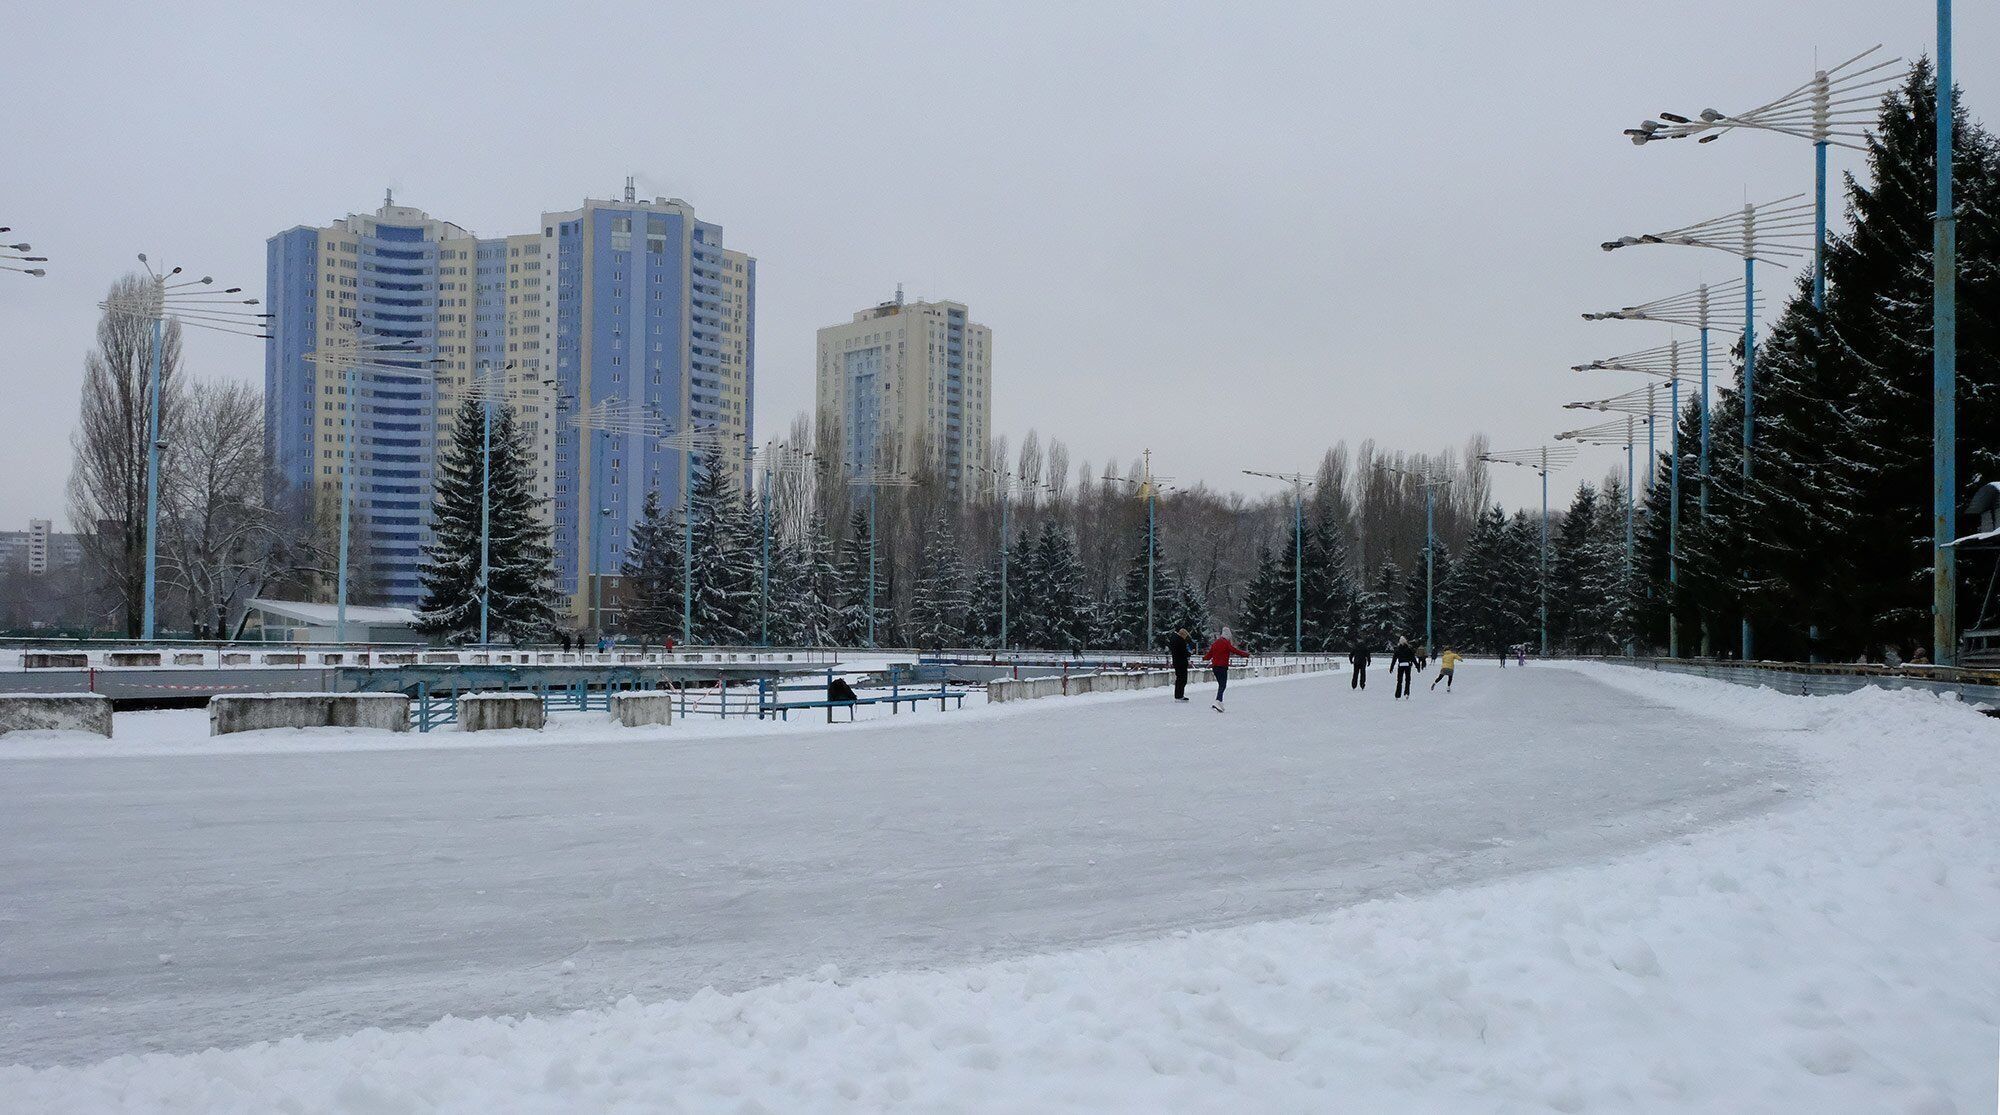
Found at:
[1446, 665]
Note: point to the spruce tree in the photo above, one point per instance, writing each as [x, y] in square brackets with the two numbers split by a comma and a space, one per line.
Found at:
[1189, 609]
[652, 574]
[723, 573]
[520, 586]
[1128, 619]
[937, 613]
[850, 625]
[1384, 618]
[1266, 618]
[1060, 618]
[1330, 593]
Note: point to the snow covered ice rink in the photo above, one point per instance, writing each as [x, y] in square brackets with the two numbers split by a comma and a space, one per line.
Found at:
[1569, 889]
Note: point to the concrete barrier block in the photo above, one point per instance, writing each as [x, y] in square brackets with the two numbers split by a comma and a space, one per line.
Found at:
[388, 712]
[641, 707]
[487, 712]
[55, 712]
[250, 712]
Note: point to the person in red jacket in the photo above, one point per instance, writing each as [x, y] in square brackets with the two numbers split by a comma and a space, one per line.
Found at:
[1219, 653]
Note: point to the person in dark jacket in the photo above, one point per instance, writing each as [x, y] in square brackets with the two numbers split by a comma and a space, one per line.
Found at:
[1404, 660]
[1180, 647]
[1359, 658]
[1219, 653]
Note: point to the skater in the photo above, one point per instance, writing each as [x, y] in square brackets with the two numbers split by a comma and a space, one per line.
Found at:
[1446, 665]
[1219, 653]
[1520, 657]
[1359, 659]
[1403, 661]
[1180, 648]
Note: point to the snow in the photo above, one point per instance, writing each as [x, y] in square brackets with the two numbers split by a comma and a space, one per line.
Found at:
[1572, 889]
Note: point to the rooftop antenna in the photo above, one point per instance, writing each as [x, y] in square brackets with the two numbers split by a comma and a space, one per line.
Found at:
[631, 189]
[388, 197]
[899, 294]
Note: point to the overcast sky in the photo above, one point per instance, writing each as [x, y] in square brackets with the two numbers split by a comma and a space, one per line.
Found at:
[1236, 233]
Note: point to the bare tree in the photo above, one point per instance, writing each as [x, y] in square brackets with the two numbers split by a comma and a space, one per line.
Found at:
[220, 544]
[1058, 472]
[1030, 469]
[107, 481]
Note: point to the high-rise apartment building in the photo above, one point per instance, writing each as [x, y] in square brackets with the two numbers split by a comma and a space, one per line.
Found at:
[651, 320]
[630, 307]
[907, 386]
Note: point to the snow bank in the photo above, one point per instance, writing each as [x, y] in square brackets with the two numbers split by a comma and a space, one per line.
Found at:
[1836, 956]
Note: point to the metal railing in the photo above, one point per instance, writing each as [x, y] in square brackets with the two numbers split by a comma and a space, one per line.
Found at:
[1823, 679]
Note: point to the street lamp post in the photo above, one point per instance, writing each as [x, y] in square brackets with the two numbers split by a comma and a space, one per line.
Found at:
[690, 441]
[1430, 483]
[1005, 485]
[1834, 107]
[1543, 460]
[1148, 488]
[782, 460]
[189, 302]
[352, 350]
[604, 418]
[874, 479]
[11, 254]
[1299, 482]
[1696, 309]
[1769, 231]
[486, 392]
[1617, 432]
[1944, 369]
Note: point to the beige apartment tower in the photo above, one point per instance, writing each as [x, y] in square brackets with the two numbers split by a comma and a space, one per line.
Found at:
[907, 387]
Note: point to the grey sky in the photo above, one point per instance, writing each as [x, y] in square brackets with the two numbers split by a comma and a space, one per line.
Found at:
[1236, 232]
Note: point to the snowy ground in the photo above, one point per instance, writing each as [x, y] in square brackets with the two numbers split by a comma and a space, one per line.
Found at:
[1599, 889]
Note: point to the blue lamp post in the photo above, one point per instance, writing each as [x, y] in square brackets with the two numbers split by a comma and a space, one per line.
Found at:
[1834, 107]
[1543, 460]
[1944, 368]
[875, 479]
[1774, 230]
[1617, 432]
[1147, 487]
[190, 302]
[1430, 482]
[1300, 485]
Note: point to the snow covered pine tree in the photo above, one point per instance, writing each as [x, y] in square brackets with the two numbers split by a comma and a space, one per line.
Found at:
[521, 583]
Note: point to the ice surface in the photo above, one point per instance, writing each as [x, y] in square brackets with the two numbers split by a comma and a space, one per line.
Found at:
[318, 893]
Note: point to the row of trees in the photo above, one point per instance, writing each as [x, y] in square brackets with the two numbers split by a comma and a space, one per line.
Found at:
[1826, 548]
[803, 582]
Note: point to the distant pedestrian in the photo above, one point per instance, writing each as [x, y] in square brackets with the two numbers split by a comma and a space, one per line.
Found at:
[1359, 659]
[1219, 653]
[1520, 657]
[1180, 647]
[567, 642]
[1403, 660]
[1446, 665]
